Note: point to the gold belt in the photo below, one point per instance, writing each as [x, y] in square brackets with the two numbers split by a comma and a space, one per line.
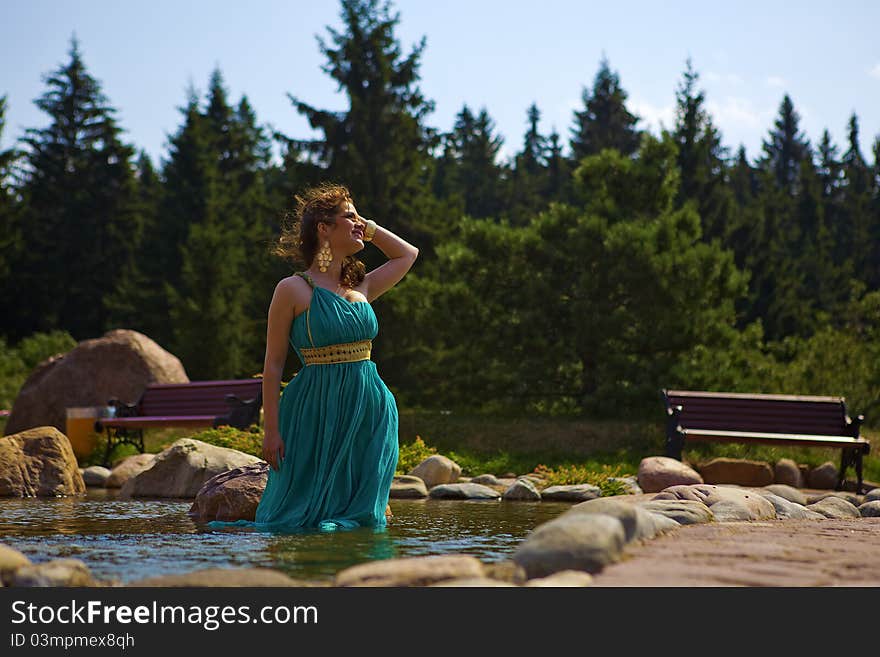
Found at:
[346, 352]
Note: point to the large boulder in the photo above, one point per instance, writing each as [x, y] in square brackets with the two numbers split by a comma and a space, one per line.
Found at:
[407, 487]
[737, 471]
[659, 472]
[823, 476]
[183, 468]
[120, 364]
[127, 468]
[231, 495]
[788, 473]
[38, 462]
[436, 470]
[95, 475]
[638, 523]
[758, 508]
[684, 512]
[522, 489]
[835, 507]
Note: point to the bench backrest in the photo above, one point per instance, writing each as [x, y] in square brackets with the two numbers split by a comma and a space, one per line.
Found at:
[196, 398]
[824, 416]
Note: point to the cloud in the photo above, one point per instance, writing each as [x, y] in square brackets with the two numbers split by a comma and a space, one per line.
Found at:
[738, 111]
[775, 81]
[875, 72]
[725, 78]
[652, 116]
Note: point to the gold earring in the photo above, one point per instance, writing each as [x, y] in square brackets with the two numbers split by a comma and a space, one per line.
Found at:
[325, 256]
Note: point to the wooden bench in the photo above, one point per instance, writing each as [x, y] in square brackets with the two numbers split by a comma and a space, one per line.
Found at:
[767, 419]
[234, 403]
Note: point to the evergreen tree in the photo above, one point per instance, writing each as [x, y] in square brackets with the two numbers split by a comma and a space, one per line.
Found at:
[785, 148]
[10, 209]
[604, 122]
[855, 218]
[558, 171]
[528, 180]
[81, 227]
[701, 158]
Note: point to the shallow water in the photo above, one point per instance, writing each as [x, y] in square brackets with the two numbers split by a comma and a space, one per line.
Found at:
[127, 540]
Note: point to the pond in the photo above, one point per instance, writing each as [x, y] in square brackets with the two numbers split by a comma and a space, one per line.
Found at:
[130, 539]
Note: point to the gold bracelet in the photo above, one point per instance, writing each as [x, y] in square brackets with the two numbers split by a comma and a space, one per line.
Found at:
[369, 230]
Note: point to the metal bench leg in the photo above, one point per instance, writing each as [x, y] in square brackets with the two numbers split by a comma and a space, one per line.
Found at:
[846, 460]
[675, 445]
[859, 455]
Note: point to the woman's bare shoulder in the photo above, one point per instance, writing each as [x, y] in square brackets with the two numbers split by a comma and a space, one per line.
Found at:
[294, 290]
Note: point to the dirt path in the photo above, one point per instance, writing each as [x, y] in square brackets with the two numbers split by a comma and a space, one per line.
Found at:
[771, 553]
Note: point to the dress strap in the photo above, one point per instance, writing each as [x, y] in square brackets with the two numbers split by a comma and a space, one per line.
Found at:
[311, 283]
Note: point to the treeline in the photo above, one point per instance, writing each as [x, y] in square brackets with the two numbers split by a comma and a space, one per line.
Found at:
[580, 276]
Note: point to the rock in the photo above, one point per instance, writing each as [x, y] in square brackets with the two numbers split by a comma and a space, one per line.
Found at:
[565, 578]
[486, 480]
[506, 571]
[231, 495]
[229, 577]
[835, 507]
[463, 492]
[684, 512]
[573, 541]
[183, 468]
[662, 523]
[120, 364]
[631, 485]
[788, 473]
[788, 510]
[127, 468]
[572, 493]
[853, 498]
[474, 582]
[823, 476]
[659, 472]
[436, 470]
[737, 471]
[407, 487]
[637, 522]
[60, 572]
[38, 462]
[414, 571]
[872, 495]
[522, 489]
[708, 494]
[10, 561]
[730, 511]
[870, 509]
[95, 475]
[787, 492]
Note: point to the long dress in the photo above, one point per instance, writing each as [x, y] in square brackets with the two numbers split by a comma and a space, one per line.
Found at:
[339, 425]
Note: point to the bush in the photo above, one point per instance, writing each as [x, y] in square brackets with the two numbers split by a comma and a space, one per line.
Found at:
[605, 477]
[412, 454]
[17, 362]
[249, 441]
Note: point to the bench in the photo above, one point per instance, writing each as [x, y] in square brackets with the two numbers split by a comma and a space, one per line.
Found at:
[768, 419]
[234, 403]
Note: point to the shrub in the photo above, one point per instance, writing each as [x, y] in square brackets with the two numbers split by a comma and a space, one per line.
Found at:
[249, 441]
[412, 454]
[605, 477]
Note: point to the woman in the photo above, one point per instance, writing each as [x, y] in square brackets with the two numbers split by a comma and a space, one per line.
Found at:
[331, 438]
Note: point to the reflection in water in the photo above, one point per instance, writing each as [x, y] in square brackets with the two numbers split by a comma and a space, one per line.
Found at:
[127, 540]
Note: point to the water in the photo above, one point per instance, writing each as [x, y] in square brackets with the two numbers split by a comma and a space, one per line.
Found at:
[127, 540]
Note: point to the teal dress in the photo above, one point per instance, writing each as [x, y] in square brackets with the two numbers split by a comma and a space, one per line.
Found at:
[339, 425]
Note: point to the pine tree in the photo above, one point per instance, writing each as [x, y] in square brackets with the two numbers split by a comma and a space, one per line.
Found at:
[528, 180]
[10, 210]
[81, 227]
[604, 122]
[856, 206]
[785, 148]
[558, 171]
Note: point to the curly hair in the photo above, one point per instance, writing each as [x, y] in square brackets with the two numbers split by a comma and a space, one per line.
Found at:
[298, 240]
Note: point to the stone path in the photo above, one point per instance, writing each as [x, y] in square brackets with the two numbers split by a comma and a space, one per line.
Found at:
[780, 553]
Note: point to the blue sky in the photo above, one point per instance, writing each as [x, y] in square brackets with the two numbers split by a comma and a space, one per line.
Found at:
[499, 54]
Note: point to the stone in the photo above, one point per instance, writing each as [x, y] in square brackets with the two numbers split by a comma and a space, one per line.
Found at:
[38, 462]
[730, 511]
[659, 472]
[127, 468]
[684, 512]
[506, 571]
[120, 364]
[60, 572]
[475, 582]
[522, 489]
[231, 495]
[182, 469]
[872, 495]
[662, 523]
[870, 509]
[853, 498]
[564, 578]
[414, 571]
[573, 541]
[637, 522]
[486, 480]
[788, 473]
[436, 470]
[787, 492]
[759, 508]
[823, 476]
[835, 507]
[788, 510]
[226, 577]
[630, 484]
[571, 493]
[407, 487]
[463, 492]
[10, 561]
[95, 475]
[737, 471]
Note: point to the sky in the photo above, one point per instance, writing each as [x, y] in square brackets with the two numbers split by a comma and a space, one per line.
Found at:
[498, 54]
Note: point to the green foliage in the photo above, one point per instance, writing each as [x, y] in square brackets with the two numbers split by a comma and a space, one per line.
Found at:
[18, 361]
[249, 441]
[411, 454]
[606, 477]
